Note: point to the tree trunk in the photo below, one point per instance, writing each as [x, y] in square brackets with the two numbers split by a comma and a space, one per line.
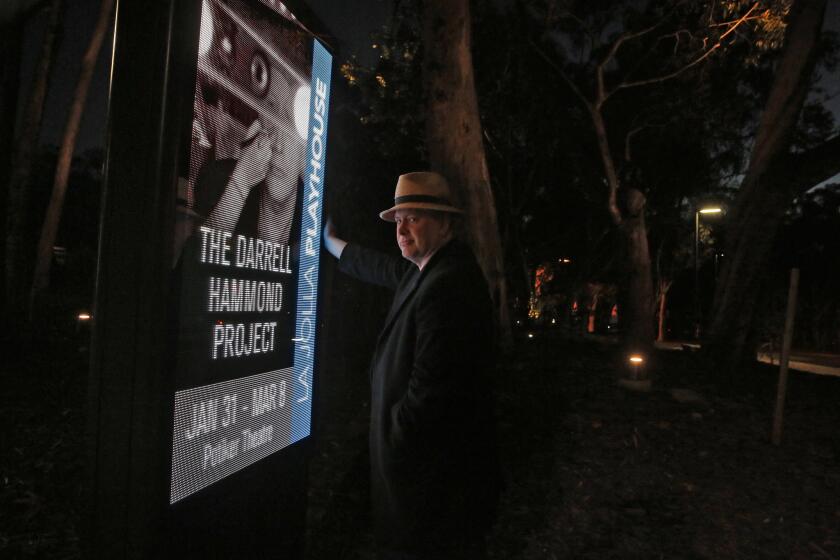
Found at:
[662, 308]
[454, 140]
[639, 306]
[49, 230]
[18, 191]
[763, 198]
[609, 165]
[638, 326]
[593, 314]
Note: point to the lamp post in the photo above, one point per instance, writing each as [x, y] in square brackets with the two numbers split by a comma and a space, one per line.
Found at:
[698, 314]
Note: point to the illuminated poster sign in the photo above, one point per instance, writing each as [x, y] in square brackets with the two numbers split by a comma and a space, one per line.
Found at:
[247, 242]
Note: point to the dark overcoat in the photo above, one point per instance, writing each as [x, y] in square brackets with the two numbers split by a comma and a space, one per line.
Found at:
[434, 464]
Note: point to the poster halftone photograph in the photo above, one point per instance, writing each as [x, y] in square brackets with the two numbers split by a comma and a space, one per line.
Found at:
[247, 240]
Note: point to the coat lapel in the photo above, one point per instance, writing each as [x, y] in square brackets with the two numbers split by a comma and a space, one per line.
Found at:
[406, 291]
[400, 299]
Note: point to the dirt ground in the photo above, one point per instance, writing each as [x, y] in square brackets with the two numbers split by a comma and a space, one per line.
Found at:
[596, 472]
[41, 450]
[592, 471]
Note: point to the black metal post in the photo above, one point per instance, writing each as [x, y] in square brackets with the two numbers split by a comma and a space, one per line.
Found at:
[697, 311]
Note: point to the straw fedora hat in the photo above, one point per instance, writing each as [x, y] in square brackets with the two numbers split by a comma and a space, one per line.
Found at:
[425, 190]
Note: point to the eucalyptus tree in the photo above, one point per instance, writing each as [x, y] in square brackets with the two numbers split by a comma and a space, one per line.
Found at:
[26, 143]
[619, 58]
[786, 159]
[52, 217]
[424, 81]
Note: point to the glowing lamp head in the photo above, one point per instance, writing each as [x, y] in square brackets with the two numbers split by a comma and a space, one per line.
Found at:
[530, 335]
[83, 317]
[636, 359]
[713, 210]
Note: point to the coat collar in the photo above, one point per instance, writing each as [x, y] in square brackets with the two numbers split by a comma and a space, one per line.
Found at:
[413, 279]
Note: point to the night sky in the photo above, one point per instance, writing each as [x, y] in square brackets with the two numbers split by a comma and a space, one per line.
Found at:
[351, 22]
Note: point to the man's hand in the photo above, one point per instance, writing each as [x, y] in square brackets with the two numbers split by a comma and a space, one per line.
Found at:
[332, 242]
[252, 167]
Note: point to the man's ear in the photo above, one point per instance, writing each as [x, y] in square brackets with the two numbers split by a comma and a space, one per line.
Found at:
[449, 224]
[456, 224]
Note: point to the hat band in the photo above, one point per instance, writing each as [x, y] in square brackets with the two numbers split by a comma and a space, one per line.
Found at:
[421, 198]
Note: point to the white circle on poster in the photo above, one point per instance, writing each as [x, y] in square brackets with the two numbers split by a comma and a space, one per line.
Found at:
[302, 110]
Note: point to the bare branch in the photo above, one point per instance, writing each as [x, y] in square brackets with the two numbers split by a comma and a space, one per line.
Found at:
[554, 66]
[676, 36]
[628, 36]
[629, 137]
[602, 94]
[642, 59]
[736, 21]
[695, 62]
[491, 143]
[600, 134]
[666, 77]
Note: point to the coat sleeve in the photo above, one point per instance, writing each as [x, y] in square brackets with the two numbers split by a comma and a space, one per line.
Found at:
[372, 266]
[452, 351]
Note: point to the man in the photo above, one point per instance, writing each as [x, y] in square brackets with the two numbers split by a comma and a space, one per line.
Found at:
[434, 467]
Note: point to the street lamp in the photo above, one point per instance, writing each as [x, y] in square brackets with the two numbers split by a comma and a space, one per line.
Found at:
[698, 314]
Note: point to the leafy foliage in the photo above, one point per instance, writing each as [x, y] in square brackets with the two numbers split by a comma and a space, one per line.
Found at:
[389, 94]
[810, 240]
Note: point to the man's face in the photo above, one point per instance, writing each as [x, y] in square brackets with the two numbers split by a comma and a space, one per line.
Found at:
[287, 158]
[420, 233]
